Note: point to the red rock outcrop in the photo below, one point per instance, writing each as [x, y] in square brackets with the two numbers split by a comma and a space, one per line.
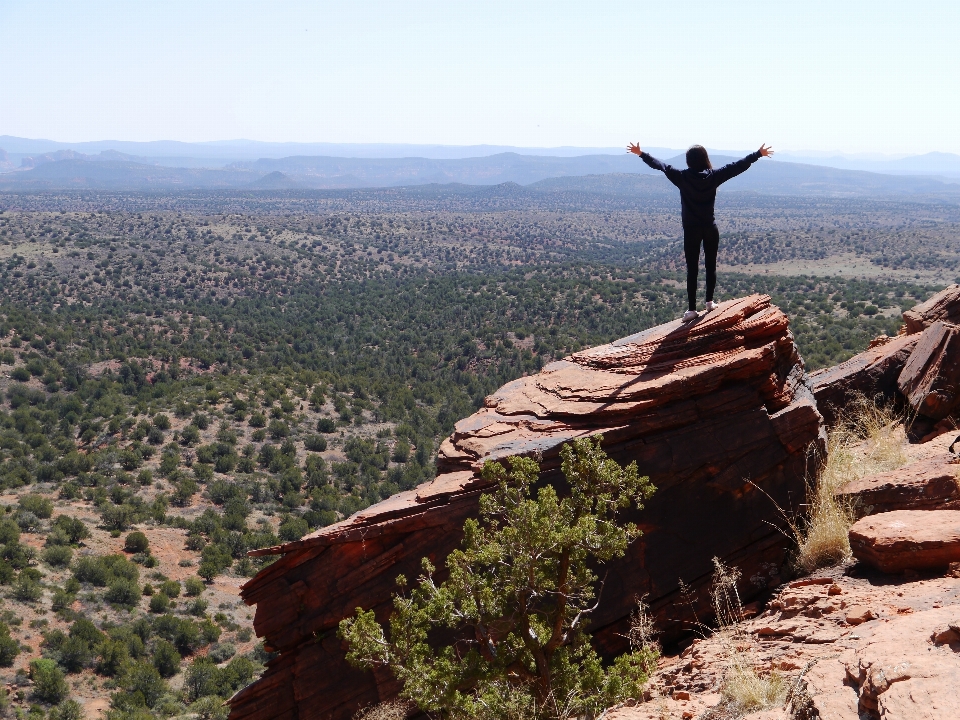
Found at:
[945, 305]
[907, 539]
[930, 380]
[850, 648]
[716, 412]
[872, 373]
[928, 484]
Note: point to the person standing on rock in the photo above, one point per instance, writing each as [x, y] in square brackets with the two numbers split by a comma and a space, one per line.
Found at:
[698, 193]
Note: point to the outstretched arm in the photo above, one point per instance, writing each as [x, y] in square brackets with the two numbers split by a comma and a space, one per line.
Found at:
[651, 161]
[735, 168]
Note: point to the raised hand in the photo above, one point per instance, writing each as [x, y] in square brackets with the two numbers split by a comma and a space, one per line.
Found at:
[766, 151]
[634, 148]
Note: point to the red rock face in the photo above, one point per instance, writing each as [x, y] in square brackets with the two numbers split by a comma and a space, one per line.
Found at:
[872, 373]
[716, 412]
[945, 305]
[930, 380]
[907, 539]
[927, 484]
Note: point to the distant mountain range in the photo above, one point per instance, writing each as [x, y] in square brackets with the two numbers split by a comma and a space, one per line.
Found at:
[112, 169]
[172, 153]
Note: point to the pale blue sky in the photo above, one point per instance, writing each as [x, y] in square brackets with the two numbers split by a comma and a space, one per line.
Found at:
[855, 76]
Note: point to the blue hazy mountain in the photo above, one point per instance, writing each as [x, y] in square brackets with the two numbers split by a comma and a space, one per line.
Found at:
[112, 169]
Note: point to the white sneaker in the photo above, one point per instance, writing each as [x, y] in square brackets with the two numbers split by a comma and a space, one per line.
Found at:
[690, 315]
[711, 305]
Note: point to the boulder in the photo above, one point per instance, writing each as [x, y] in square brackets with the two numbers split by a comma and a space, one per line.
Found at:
[930, 483]
[716, 412]
[945, 306]
[904, 673]
[903, 540]
[872, 374]
[930, 380]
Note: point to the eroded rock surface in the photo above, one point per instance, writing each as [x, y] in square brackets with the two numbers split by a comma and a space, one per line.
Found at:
[872, 373]
[853, 647]
[930, 380]
[945, 305]
[716, 412]
[907, 539]
[930, 483]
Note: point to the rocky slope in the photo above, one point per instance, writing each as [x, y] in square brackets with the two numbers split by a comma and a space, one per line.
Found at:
[878, 637]
[716, 412]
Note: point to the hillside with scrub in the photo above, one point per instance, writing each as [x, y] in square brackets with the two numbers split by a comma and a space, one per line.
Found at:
[186, 379]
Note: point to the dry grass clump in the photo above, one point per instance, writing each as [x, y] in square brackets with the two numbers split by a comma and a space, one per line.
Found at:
[744, 688]
[750, 691]
[869, 440]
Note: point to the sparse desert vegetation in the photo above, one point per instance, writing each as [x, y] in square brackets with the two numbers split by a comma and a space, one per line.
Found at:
[188, 378]
[869, 439]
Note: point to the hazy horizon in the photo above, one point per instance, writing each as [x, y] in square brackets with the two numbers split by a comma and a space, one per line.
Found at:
[812, 78]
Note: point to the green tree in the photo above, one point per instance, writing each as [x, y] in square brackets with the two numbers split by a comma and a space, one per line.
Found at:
[518, 598]
[166, 659]
[49, 684]
[9, 647]
[136, 542]
[142, 684]
[67, 710]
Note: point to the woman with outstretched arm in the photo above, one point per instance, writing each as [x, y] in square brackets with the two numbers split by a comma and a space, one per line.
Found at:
[698, 192]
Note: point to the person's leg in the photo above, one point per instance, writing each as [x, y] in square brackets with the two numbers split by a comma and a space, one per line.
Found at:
[711, 244]
[691, 251]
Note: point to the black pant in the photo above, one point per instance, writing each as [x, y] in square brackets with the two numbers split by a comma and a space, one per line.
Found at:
[693, 235]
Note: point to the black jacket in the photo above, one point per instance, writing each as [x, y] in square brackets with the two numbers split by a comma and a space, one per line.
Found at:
[698, 190]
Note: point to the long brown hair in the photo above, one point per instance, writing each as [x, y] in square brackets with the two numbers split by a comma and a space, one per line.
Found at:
[697, 158]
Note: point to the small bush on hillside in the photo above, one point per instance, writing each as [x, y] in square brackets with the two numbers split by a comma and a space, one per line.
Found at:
[141, 685]
[38, 505]
[73, 530]
[9, 647]
[101, 571]
[326, 425]
[136, 542]
[123, 592]
[67, 710]
[57, 556]
[9, 531]
[315, 443]
[159, 603]
[49, 684]
[26, 589]
[193, 586]
[293, 528]
[166, 659]
[222, 653]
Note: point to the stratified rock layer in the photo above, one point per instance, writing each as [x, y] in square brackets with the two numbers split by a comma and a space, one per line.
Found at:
[945, 306]
[927, 484]
[907, 539]
[850, 648]
[930, 380]
[872, 373]
[716, 412]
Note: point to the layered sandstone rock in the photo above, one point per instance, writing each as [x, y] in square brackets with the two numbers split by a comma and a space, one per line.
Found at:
[945, 306]
[907, 540]
[849, 647]
[872, 374]
[716, 412]
[930, 380]
[928, 484]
